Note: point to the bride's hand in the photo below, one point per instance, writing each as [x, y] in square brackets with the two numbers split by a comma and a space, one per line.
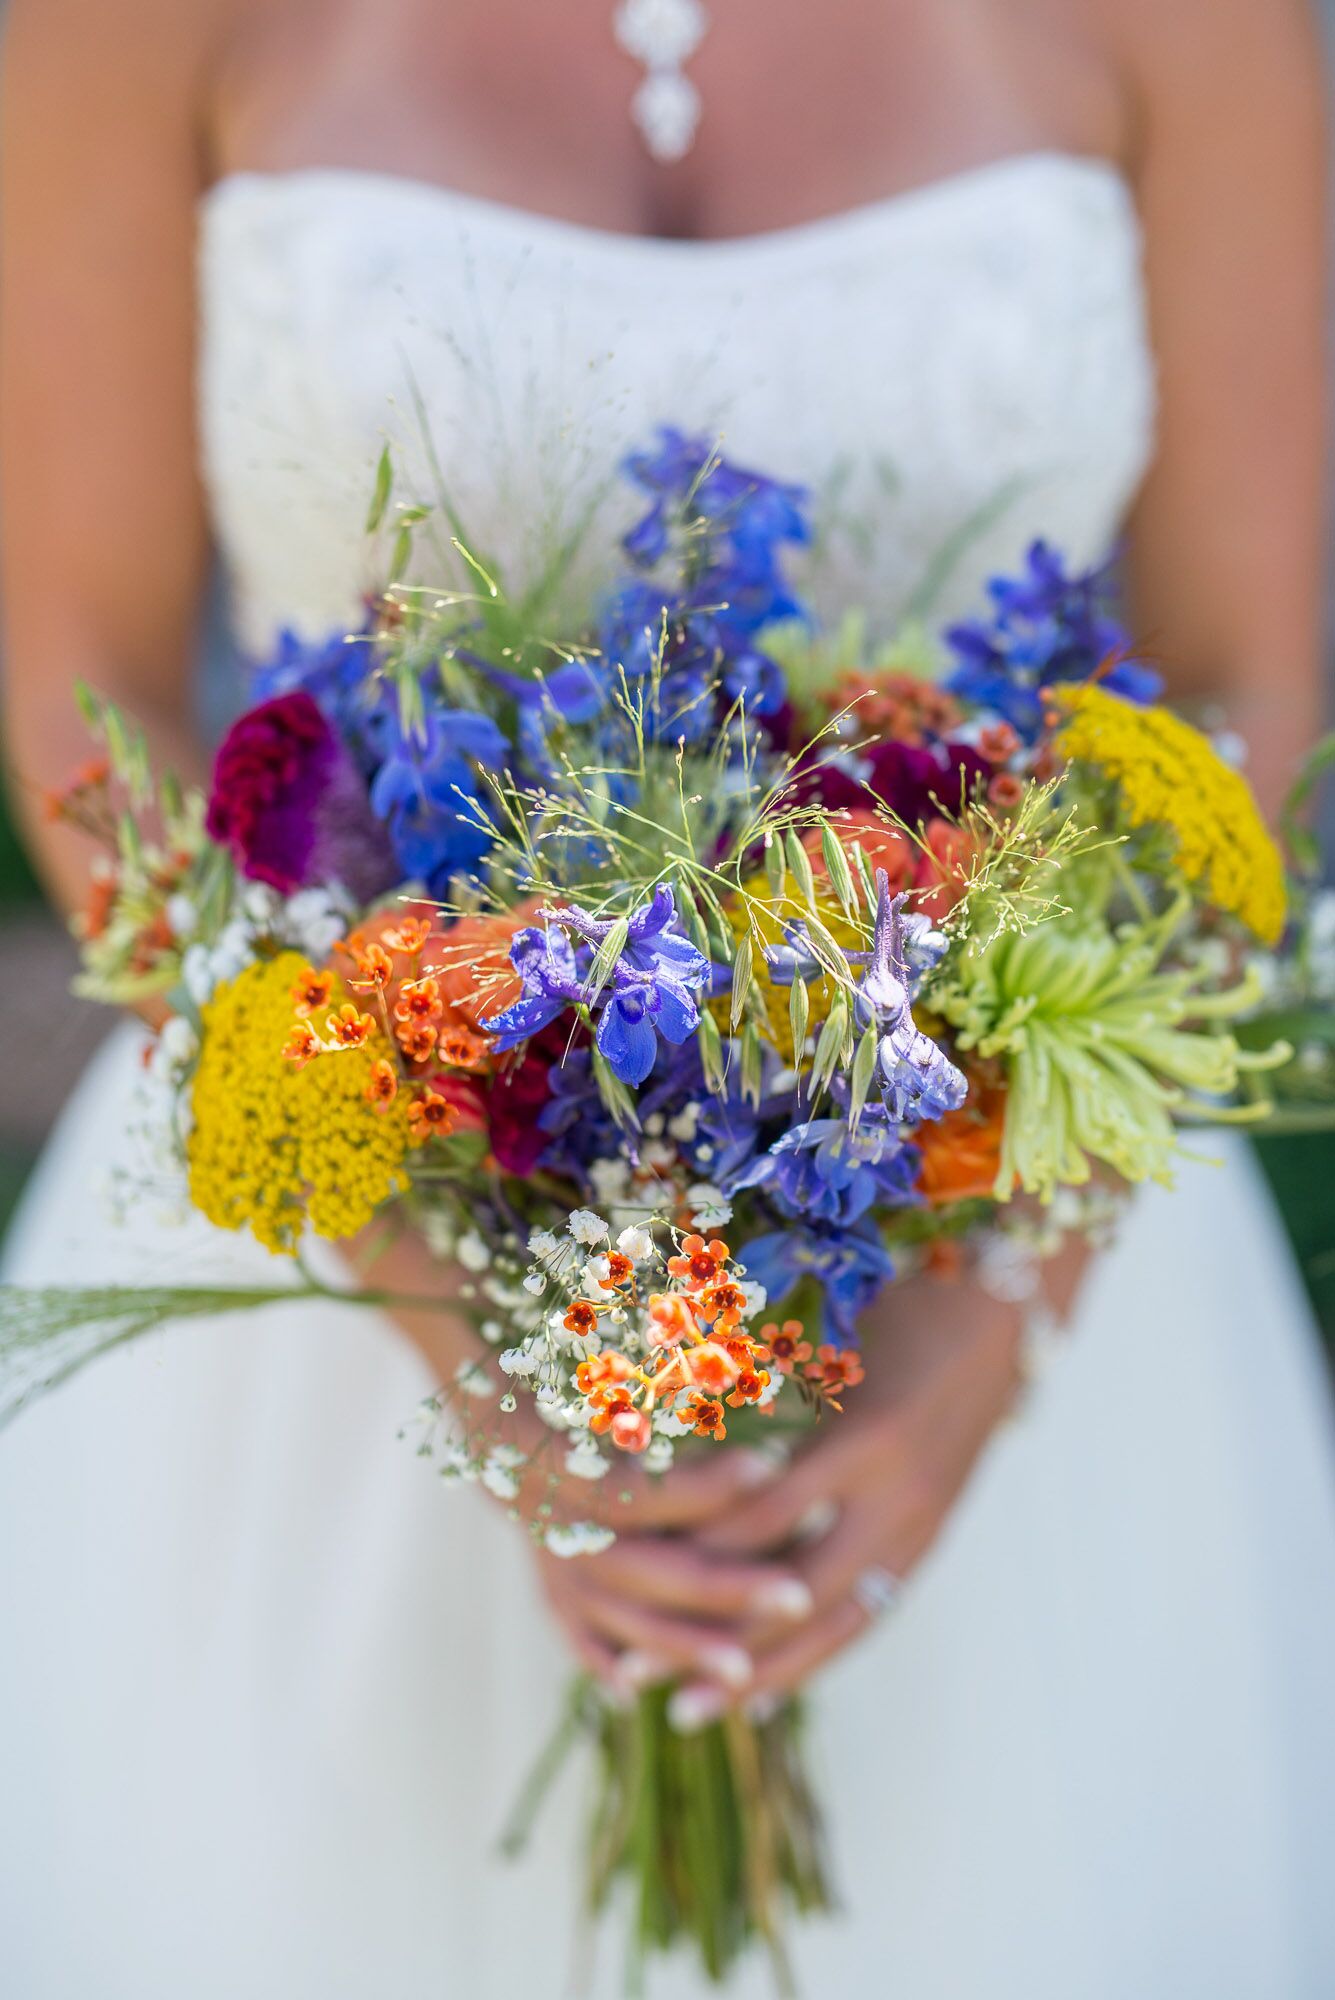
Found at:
[880, 1480]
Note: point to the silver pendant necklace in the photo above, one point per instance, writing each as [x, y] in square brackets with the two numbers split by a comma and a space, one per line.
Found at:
[663, 35]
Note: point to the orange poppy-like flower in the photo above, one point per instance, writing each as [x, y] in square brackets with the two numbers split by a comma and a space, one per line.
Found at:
[382, 1085]
[471, 963]
[998, 743]
[409, 936]
[961, 1153]
[631, 1430]
[417, 1039]
[607, 1405]
[620, 1271]
[943, 865]
[602, 1371]
[905, 706]
[705, 1416]
[671, 1317]
[787, 1346]
[834, 1370]
[373, 967]
[419, 1000]
[349, 1027]
[749, 1387]
[302, 1043]
[709, 1367]
[884, 846]
[699, 1263]
[429, 1116]
[721, 1304]
[581, 1317]
[460, 1048]
[311, 991]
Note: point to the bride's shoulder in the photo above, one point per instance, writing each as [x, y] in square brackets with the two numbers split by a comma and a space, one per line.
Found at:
[1155, 36]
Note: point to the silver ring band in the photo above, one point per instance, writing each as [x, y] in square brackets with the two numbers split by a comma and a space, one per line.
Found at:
[877, 1591]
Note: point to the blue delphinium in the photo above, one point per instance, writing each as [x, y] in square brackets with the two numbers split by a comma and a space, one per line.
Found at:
[917, 1078]
[650, 991]
[850, 1265]
[828, 1172]
[423, 789]
[722, 529]
[1047, 626]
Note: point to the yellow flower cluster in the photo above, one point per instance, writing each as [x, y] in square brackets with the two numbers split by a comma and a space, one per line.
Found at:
[1168, 775]
[767, 926]
[273, 1145]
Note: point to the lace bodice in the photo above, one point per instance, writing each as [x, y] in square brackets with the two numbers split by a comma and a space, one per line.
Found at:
[951, 370]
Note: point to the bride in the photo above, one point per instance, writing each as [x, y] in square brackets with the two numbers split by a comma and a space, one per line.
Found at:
[972, 271]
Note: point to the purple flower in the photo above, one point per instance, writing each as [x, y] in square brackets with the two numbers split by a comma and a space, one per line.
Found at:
[289, 803]
[850, 1265]
[653, 985]
[825, 1170]
[552, 980]
[425, 787]
[1047, 626]
[918, 1079]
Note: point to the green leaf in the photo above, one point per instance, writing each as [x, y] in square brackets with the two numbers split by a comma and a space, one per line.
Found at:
[606, 956]
[800, 863]
[615, 1095]
[864, 1069]
[384, 481]
[799, 1012]
[753, 1061]
[829, 1044]
[776, 873]
[841, 875]
[742, 973]
[711, 1054]
[866, 874]
[401, 554]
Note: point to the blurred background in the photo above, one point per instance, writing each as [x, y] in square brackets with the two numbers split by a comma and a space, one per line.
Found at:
[57, 1033]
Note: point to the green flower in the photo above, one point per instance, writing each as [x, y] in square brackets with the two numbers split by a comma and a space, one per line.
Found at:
[1097, 1050]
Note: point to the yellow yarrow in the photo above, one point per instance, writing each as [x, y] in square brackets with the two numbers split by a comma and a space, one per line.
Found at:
[1168, 775]
[758, 919]
[273, 1145]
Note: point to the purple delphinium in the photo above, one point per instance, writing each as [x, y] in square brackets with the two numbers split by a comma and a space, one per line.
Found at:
[917, 1078]
[849, 1264]
[1047, 626]
[425, 786]
[290, 804]
[826, 1171]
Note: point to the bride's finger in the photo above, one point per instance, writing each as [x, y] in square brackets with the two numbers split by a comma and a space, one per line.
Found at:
[773, 1516]
[661, 1645]
[679, 1576]
[778, 1672]
[694, 1491]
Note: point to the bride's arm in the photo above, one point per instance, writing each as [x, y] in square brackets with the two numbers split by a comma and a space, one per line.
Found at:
[104, 547]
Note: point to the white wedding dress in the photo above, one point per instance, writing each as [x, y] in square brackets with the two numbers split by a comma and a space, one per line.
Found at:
[266, 1688]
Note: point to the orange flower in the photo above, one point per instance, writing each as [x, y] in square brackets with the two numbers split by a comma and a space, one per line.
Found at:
[897, 705]
[942, 870]
[607, 1405]
[302, 1043]
[419, 1000]
[631, 1430]
[311, 991]
[581, 1317]
[373, 967]
[834, 1370]
[705, 1417]
[709, 1367]
[429, 1116]
[1005, 791]
[672, 1318]
[417, 1039]
[102, 895]
[721, 1304]
[961, 1153]
[382, 1085]
[471, 963]
[349, 1027]
[744, 1350]
[998, 743]
[787, 1346]
[409, 936]
[461, 1048]
[884, 846]
[620, 1271]
[749, 1387]
[699, 1263]
[603, 1371]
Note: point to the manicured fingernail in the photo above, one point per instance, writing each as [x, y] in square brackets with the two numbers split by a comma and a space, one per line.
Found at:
[784, 1597]
[639, 1670]
[695, 1707]
[817, 1521]
[732, 1665]
[762, 1708]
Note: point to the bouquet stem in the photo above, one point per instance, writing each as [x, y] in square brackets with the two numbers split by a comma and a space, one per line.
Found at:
[714, 1835]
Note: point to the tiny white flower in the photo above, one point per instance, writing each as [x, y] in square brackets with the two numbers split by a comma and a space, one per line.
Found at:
[182, 915]
[472, 1252]
[610, 1180]
[260, 902]
[637, 1243]
[659, 1454]
[542, 1243]
[655, 1124]
[684, 1126]
[709, 1205]
[757, 1298]
[535, 1283]
[197, 973]
[500, 1481]
[492, 1331]
[474, 1380]
[585, 1461]
[578, 1538]
[517, 1361]
[586, 1227]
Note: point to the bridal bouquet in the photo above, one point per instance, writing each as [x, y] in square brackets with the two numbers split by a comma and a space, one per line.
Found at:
[683, 979]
